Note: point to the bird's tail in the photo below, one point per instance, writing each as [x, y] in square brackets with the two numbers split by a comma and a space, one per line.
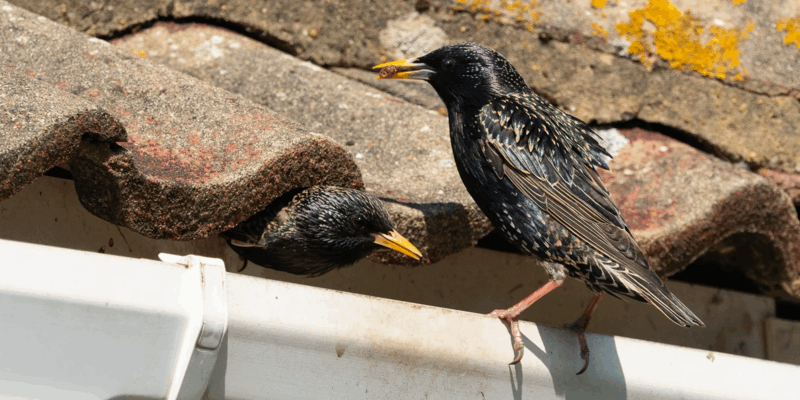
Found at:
[664, 301]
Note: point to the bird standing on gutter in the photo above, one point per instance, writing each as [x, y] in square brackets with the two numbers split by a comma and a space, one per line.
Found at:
[530, 167]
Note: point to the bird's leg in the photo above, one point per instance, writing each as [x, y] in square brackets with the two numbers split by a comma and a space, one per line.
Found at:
[579, 326]
[512, 316]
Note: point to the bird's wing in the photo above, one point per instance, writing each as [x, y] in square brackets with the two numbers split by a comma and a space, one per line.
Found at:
[551, 157]
[556, 170]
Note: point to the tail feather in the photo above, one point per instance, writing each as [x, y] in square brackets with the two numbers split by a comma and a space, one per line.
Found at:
[664, 301]
[643, 285]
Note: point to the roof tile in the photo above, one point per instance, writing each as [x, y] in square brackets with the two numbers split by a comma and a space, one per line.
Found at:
[41, 126]
[198, 159]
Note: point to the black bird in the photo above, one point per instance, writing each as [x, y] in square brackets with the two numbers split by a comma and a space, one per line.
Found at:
[317, 230]
[531, 168]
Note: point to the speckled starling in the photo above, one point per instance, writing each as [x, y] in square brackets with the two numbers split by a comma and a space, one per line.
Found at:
[531, 168]
[317, 230]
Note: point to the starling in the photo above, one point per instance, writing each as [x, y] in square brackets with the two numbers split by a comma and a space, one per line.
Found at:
[531, 168]
[314, 231]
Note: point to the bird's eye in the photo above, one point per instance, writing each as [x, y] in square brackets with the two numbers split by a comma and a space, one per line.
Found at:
[359, 220]
[448, 64]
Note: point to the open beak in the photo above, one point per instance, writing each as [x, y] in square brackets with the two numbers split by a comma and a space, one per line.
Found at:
[397, 242]
[405, 69]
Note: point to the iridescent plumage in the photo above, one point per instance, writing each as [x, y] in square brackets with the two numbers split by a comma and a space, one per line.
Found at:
[531, 168]
[317, 230]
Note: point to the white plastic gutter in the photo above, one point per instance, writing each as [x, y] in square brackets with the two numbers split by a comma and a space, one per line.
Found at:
[78, 325]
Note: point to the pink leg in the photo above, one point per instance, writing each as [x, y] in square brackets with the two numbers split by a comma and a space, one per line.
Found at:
[579, 326]
[512, 316]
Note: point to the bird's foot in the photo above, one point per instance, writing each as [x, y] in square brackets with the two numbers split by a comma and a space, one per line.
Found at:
[579, 327]
[512, 316]
[513, 320]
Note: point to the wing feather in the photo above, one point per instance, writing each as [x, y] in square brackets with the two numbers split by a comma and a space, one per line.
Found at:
[551, 157]
[544, 159]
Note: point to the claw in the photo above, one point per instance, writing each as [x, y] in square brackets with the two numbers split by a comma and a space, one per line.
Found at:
[516, 333]
[584, 352]
[519, 345]
[579, 328]
[585, 364]
[518, 358]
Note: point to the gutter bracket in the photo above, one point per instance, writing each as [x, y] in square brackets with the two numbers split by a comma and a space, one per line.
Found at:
[214, 323]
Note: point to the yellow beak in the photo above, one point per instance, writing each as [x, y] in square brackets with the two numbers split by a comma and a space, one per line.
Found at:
[404, 69]
[397, 242]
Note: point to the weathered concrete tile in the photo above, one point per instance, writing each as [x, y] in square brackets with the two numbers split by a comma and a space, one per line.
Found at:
[326, 33]
[402, 150]
[319, 30]
[198, 159]
[680, 202]
[416, 92]
[790, 183]
[746, 31]
[41, 126]
[580, 70]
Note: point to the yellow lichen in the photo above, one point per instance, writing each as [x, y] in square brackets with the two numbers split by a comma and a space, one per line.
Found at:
[599, 3]
[679, 39]
[495, 10]
[738, 2]
[598, 31]
[140, 53]
[792, 28]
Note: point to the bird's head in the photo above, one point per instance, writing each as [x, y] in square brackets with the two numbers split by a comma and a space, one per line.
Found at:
[464, 73]
[347, 224]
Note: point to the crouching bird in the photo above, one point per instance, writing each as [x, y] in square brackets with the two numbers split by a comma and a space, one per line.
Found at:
[530, 167]
[317, 230]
